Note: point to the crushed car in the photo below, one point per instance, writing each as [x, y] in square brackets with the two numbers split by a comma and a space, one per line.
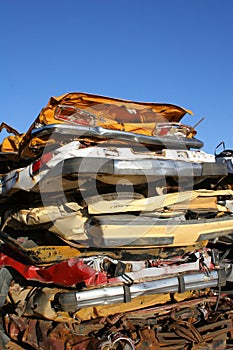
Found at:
[116, 230]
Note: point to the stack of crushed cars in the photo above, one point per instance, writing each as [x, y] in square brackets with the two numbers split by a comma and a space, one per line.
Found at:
[116, 230]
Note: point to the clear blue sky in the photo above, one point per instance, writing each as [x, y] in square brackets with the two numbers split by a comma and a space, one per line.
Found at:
[173, 51]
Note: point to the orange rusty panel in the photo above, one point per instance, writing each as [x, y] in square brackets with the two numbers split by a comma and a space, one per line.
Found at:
[120, 110]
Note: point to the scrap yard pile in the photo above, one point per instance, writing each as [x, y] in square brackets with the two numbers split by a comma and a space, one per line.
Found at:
[116, 230]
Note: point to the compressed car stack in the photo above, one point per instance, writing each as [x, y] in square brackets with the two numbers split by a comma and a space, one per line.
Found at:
[116, 230]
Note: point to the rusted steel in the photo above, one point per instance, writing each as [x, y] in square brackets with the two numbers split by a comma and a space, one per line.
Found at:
[165, 309]
[187, 331]
[13, 346]
[202, 336]
[148, 341]
[44, 335]
[118, 330]
[231, 331]
[217, 329]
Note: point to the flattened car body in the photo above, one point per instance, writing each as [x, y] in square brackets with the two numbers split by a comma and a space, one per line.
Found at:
[109, 165]
[97, 117]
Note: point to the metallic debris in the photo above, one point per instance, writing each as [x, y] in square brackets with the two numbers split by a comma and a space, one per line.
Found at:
[116, 230]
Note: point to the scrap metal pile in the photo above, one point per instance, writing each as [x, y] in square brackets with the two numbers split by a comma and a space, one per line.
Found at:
[116, 230]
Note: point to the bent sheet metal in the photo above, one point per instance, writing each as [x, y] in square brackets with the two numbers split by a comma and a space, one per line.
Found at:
[116, 230]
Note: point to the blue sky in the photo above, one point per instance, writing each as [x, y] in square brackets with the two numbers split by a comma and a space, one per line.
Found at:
[173, 51]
